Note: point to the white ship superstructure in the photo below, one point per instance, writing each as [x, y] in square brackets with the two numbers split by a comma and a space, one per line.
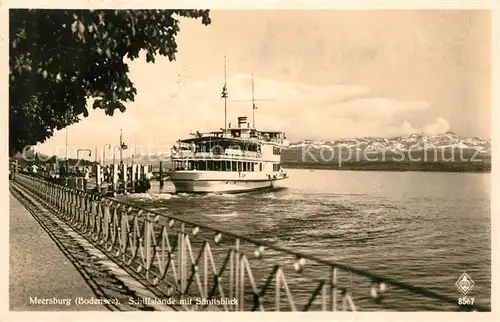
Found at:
[233, 160]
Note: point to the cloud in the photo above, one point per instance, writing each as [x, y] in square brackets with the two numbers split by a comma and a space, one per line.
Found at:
[165, 111]
[440, 125]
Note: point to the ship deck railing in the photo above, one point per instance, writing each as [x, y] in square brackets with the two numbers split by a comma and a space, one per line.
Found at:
[252, 138]
[214, 155]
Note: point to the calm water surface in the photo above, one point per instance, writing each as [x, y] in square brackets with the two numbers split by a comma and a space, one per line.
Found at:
[417, 227]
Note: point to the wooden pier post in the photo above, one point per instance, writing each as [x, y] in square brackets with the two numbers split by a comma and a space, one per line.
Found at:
[125, 185]
[161, 174]
[134, 178]
[98, 177]
[115, 178]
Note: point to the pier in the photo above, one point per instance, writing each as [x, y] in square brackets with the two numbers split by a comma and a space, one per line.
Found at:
[111, 179]
[190, 266]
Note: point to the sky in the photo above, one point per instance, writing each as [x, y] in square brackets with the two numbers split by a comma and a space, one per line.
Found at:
[324, 75]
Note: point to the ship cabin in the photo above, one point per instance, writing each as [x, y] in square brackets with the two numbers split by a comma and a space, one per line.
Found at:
[239, 148]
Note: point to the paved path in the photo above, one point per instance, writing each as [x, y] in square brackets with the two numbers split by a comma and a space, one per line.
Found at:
[39, 270]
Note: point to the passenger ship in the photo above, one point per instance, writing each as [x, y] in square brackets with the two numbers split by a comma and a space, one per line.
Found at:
[234, 159]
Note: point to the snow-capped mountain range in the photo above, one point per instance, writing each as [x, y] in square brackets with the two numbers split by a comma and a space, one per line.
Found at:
[412, 142]
[448, 141]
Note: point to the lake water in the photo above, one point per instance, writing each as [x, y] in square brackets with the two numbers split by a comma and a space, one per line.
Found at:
[417, 227]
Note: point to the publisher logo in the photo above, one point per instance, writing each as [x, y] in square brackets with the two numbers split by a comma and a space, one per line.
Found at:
[465, 284]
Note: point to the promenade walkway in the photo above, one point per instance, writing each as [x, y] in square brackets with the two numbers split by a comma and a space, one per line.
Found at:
[39, 270]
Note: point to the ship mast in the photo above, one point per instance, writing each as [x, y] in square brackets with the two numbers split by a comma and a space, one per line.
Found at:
[254, 107]
[121, 146]
[253, 100]
[225, 95]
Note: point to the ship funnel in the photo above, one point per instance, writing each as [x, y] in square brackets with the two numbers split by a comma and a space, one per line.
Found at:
[242, 120]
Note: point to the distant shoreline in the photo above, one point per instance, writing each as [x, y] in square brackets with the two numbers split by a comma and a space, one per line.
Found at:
[404, 166]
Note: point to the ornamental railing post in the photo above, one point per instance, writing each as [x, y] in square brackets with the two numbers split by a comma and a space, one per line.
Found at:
[180, 251]
[333, 285]
[236, 268]
[124, 233]
[147, 241]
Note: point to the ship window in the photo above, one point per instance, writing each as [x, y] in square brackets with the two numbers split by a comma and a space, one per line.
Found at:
[260, 166]
[244, 166]
[234, 166]
[276, 151]
[217, 150]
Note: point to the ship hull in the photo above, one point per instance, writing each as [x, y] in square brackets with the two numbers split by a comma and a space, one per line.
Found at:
[189, 182]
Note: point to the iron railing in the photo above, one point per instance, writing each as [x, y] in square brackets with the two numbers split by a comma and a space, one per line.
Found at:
[180, 259]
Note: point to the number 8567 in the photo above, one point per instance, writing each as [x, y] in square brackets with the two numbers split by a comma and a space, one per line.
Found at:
[466, 300]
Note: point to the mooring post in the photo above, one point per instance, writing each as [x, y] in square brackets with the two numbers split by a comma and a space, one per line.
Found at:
[98, 177]
[125, 185]
[115, 178]
[134, 173]
[161, 174]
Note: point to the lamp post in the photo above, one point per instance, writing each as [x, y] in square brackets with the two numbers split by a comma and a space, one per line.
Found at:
[78, 153]
[122, 147]
[114, 153]
[67, 161]
[104, 153]
[135, 148]
[68, 123]
[84, 182]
